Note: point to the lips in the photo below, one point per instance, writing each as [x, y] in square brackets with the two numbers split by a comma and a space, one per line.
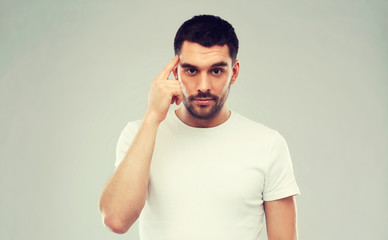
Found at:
[203, 101]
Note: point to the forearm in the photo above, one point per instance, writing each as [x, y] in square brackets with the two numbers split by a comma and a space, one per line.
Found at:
[124, 195]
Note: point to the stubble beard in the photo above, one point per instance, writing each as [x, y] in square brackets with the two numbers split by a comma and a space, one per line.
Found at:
[188, 102]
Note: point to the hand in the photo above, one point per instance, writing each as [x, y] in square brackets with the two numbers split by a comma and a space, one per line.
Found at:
[163, 93]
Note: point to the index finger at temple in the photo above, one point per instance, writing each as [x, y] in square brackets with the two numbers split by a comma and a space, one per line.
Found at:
[167, 69]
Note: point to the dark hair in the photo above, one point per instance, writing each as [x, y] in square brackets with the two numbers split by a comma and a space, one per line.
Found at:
[208, 31]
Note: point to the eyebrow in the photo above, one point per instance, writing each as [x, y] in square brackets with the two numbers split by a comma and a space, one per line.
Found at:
[186, 65]
[219, 64]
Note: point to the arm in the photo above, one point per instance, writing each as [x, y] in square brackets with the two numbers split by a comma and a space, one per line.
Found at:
[281, 219]
[124, 196]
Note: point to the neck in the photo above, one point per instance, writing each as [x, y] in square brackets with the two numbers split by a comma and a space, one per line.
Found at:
[188, 119]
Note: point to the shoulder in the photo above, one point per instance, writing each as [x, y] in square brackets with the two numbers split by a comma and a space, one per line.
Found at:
[131, 127]
[253, 127]
[133, 124]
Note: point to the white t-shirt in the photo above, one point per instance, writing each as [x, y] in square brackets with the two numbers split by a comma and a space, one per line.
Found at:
[210, 183]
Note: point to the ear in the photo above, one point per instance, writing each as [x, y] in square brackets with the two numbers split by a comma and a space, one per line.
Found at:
[236, 70]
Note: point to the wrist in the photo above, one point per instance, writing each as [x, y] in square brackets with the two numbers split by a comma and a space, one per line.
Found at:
[151, 119]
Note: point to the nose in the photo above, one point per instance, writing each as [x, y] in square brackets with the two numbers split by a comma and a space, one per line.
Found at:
[203, 83]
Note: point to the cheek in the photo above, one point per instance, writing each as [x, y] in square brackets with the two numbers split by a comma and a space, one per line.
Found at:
[186, 83]
[188, 87]
[221, 85]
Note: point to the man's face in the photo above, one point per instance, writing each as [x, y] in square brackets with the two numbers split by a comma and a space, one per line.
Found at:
[206, 75]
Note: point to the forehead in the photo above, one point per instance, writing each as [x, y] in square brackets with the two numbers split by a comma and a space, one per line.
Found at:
[198, 55]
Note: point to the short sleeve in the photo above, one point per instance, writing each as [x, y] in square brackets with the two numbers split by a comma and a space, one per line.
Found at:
[279, 178]
[125, 140]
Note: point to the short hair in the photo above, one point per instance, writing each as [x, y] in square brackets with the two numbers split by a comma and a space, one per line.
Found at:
[208, 31]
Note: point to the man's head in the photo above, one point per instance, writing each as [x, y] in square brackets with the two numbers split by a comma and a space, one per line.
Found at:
[207, 47]
[208, 31]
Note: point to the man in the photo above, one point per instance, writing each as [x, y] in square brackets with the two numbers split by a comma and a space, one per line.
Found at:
[202, 171]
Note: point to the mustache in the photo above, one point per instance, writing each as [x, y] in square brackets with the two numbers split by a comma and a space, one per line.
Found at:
[203, 95]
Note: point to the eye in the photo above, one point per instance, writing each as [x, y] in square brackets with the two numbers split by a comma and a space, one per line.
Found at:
[217, 71]
[191, 71]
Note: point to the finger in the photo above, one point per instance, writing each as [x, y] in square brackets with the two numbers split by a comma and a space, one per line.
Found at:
[175, 71]
[176, 94]
[167, 69]
[178, 98]
[173, 99]
[178, 101]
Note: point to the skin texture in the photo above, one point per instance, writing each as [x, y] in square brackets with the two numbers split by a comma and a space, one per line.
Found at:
[124, 195]
[199, 72]
[281, 219]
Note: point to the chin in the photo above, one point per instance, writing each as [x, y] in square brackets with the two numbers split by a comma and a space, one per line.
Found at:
[203, 112]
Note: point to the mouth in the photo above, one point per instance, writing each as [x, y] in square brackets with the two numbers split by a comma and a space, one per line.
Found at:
[203, 101]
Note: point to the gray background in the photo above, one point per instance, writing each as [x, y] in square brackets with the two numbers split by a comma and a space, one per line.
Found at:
[73, 73]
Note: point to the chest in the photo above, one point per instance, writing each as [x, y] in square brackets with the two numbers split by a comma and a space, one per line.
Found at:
[206, 172]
